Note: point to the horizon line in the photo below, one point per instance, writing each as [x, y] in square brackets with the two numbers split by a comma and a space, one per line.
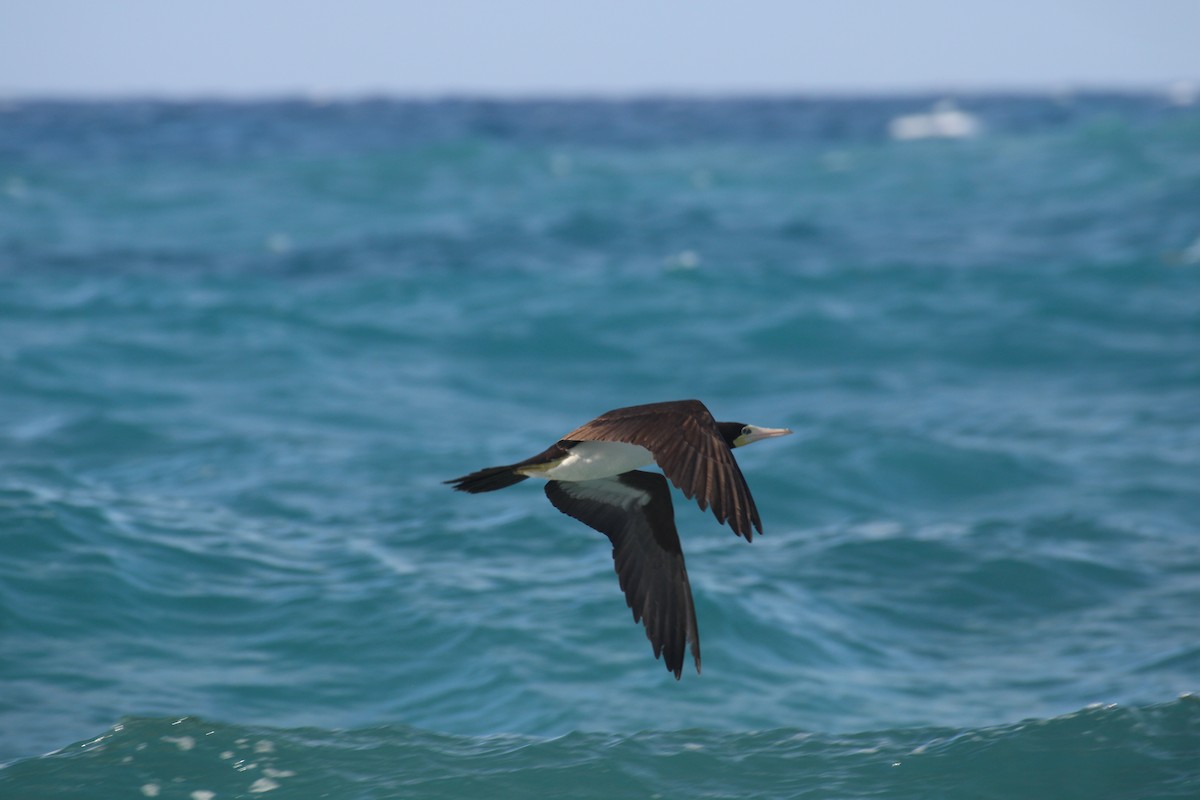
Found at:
[322, 95]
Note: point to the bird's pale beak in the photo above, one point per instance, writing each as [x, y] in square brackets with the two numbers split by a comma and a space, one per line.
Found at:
[756, 433]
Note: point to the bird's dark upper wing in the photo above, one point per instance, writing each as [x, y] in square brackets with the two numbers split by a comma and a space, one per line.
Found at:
[634, 511]
[687, 445]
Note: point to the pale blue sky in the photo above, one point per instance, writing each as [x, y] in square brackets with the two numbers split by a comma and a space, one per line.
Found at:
[256, 47]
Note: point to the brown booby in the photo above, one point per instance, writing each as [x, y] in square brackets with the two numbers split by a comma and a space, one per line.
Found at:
[592, 475]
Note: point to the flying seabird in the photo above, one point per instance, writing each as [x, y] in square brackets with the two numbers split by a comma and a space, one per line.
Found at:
[592, 475]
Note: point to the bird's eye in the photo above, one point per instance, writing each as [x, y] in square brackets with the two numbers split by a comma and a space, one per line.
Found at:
[746, 431]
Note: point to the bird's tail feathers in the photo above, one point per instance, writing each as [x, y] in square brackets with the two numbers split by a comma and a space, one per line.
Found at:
[488, 480]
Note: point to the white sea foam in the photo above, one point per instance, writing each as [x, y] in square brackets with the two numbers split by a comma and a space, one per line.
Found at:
[944, 121]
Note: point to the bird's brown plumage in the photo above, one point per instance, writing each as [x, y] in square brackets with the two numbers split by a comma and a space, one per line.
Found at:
[688, 447]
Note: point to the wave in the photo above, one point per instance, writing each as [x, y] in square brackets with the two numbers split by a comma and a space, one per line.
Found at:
[1098, 751]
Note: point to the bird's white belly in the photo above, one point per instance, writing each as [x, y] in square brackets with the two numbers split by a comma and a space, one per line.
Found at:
[588, 461]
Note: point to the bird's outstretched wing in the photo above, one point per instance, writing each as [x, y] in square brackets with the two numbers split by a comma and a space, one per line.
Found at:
[634, 511]
[688, 447]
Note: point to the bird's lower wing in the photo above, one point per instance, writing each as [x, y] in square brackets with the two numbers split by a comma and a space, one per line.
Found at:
[634, 511]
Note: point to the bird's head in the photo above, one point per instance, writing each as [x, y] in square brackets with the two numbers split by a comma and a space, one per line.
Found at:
[739, 434]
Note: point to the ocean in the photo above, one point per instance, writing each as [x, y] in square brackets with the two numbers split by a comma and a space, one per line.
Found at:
[242, 344]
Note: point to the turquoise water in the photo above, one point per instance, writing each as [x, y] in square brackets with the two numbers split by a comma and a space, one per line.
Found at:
[241, 345]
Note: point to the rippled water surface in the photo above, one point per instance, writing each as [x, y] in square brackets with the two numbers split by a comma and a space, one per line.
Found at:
[241, 345]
